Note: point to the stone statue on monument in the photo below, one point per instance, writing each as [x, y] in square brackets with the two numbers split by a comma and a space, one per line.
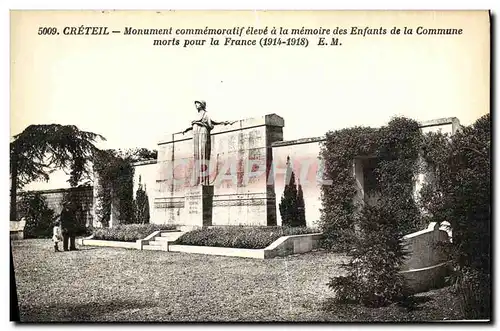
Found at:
[201, 127]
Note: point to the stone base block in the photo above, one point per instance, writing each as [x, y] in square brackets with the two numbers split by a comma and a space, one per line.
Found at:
[198, 206]
[252, 209]
[168, 210]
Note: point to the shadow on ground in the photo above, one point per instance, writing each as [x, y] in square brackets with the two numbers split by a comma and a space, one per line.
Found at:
[90, 311]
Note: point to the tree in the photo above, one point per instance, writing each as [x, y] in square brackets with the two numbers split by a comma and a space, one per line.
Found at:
[292, 203]
[143, 154]
[141, 205]
[115, 171]
[301, 208]
[36, 151]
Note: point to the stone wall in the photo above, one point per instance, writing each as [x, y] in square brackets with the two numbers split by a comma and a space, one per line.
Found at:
[147, 172]
[54, 199]
[304, 157]
[426, 264]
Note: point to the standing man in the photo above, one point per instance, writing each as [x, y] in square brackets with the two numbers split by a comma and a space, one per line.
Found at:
[68, 220]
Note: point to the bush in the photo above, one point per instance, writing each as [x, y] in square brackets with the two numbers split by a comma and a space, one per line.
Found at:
[373, 277]
[38, 216]
[460, 193]
[239, 236]
[474, 292]
[129, 232]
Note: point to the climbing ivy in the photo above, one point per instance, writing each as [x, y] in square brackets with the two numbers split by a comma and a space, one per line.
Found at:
[394, 152]
[371, 227]
[116, 173]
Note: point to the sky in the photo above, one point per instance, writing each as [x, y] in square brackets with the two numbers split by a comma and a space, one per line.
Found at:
[134, 93]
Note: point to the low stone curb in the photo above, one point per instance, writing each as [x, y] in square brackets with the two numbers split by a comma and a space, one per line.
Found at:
[283, 246]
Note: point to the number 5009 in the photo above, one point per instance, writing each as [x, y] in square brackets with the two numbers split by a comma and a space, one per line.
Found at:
[47, 31]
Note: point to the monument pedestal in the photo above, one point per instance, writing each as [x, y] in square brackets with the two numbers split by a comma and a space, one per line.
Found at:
[199, 200]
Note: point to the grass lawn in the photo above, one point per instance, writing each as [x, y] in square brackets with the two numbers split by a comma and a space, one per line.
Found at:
[112, 284]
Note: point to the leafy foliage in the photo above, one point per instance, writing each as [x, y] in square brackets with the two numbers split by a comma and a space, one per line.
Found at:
[395, 148]
[460, 193]
[141, 154]
[129, 232]
[473, 288]
[38, 216]
[397, 169]
[339, 208]
[371, 228]
[292, 208]
[39, 149]
[373, 277]
[141, 205]
[239, 236]
[115, 185]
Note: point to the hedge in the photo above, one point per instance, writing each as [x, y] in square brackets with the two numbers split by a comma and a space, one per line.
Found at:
[129, 232]
[240, 236]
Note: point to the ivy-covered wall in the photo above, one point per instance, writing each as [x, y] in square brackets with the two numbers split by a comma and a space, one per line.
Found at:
[367, 216]
[309, 168]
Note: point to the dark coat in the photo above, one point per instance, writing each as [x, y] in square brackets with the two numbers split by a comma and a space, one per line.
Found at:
[67, 220]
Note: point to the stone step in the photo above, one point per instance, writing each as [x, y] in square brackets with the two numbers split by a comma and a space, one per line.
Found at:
[171, 236]
[162, 239]
[152, 248]
[157, 243]
[166, 234]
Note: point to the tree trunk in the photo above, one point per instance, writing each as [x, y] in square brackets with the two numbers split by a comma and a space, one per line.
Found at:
[13, 189]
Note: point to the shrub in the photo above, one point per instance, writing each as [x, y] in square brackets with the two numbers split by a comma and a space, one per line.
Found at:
[474, 291]
[373, 277]
[338, 205]
[460, 193]
[38, 216]
[129, 232]
[239, 236]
